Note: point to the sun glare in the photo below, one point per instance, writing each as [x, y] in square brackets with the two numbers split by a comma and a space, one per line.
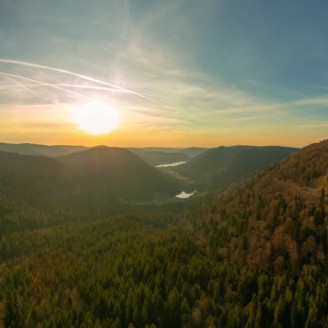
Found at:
[96, 118]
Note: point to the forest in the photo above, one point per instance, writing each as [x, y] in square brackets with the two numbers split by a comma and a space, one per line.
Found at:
[253, 255]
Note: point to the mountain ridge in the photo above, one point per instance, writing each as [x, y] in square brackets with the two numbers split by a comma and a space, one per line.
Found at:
[218, 167]
[111, 171]
[38, 149]
[276, 218]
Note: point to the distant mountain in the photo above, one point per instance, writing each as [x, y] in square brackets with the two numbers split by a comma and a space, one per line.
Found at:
[274, 220]
[117, 173]
[157, 157]
[193, 151]
[218, 167]
[160, 149]
[98, 175]
[34, 149]
[39, 191]
[152, 155]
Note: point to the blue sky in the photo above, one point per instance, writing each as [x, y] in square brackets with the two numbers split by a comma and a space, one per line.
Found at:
[188, 72]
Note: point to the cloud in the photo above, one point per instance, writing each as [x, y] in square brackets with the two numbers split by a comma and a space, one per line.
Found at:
[315, 125]
[142, 61]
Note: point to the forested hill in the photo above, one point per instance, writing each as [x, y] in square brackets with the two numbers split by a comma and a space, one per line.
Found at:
[156, 157]
[21, 166]
[104, 173]
[193, 151]
[252, 256]
[218, 167]
[23, 175]
[275, 220]
[118, 173]
[35, 149]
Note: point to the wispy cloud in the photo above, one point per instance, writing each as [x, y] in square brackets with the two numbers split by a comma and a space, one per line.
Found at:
[315, 125]
[143, 62]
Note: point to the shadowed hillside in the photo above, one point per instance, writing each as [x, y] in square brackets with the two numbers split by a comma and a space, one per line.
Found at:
[116, 172]
[219, 167]
[159, 157]
[23, 175]
[193, 151]
[33, 149]
[97, 178]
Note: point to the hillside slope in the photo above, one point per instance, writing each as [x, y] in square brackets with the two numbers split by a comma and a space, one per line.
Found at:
[34, 149]
[219, 167]
[104, 173]
[193, 151]
[23, 174]
[154, 158]
[276, 219]
[116, 172]
[252, 256]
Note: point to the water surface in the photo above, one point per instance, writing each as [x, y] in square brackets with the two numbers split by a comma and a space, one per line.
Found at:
[171, 164]
[185, 195]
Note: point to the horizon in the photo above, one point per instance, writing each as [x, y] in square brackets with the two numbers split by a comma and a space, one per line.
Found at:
[152, 147]
[145, 75]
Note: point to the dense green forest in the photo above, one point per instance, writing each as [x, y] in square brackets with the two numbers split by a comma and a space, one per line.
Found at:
[254, 255]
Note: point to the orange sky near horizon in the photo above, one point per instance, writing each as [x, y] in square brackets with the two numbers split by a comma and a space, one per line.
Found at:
[54, 125]
[132, 137]
[238, 76]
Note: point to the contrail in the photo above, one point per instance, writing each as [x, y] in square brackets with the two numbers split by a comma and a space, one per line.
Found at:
[46, 84]
[85, 77]
[79, 86]
[24, 86]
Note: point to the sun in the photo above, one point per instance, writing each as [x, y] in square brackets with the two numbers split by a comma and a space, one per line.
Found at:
[96, 118]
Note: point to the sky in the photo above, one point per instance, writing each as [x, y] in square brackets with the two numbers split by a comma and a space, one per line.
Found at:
[178, 73]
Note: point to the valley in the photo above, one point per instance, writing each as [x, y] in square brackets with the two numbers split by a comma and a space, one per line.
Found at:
[241, 256]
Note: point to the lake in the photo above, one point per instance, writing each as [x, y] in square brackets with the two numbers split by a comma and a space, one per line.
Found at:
[171, 164]
[185, 195]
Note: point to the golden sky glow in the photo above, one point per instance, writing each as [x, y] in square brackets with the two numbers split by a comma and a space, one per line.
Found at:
[54, 125]
[96, 118]
[238, 76]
